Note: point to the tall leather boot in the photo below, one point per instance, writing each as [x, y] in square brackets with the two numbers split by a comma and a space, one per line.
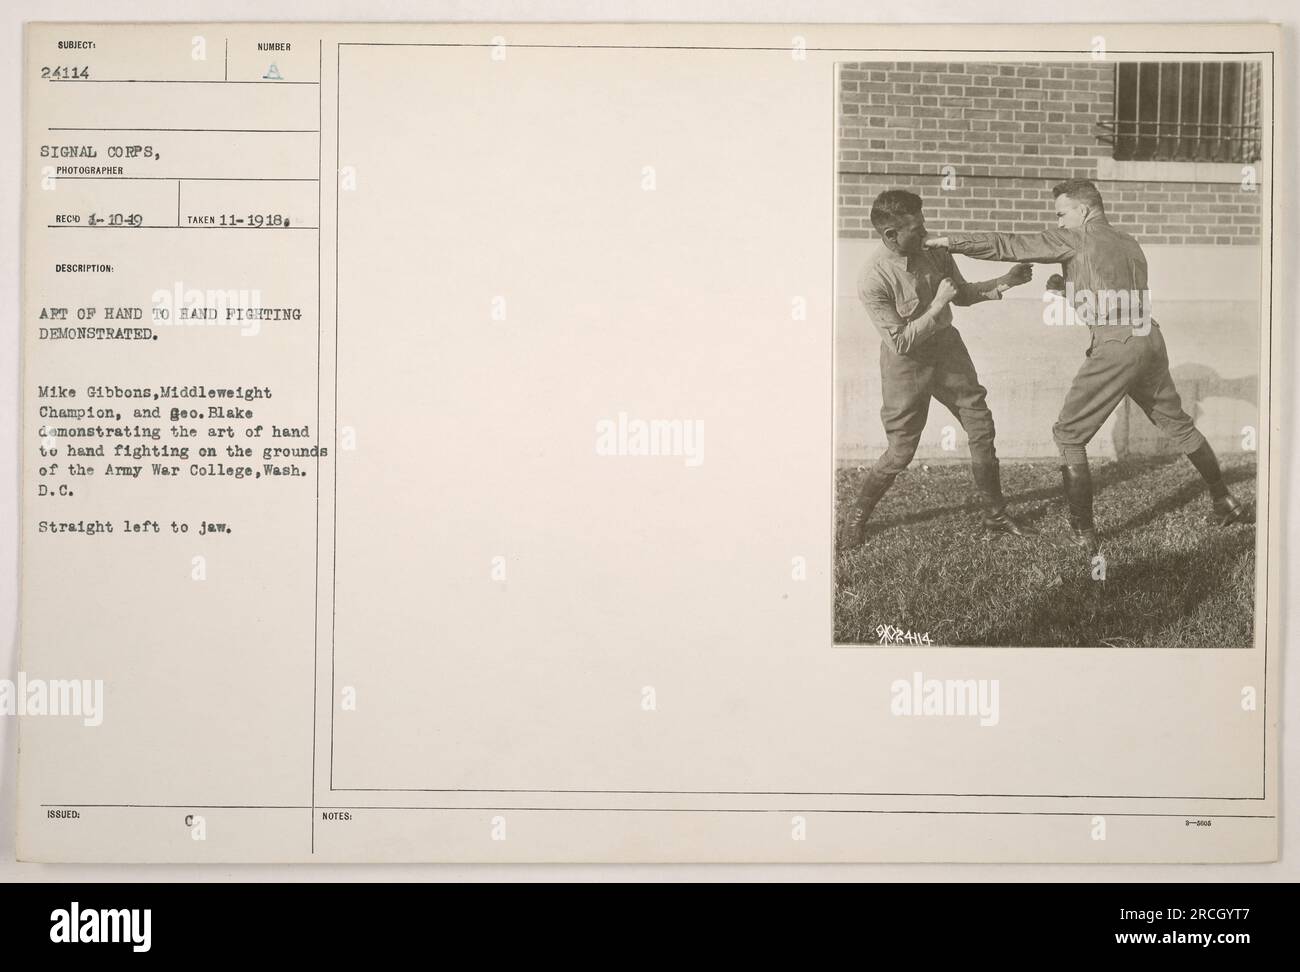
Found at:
[1077, 479]
[1227, 508]
[989, 481]
[874, 486]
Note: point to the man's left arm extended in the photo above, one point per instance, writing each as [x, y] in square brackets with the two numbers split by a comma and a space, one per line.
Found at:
[975, 293]
[1051, 246]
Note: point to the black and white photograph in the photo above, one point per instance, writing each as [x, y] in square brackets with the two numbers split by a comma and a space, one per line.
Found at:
[1050, 309]
[597, 444]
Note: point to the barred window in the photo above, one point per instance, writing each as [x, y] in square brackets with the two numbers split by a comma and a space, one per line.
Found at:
[1202, 111]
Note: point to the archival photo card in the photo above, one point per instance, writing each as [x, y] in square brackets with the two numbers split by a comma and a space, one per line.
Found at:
[649, 443]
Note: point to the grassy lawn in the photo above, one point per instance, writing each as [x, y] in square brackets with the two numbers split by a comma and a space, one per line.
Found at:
[1172, 579]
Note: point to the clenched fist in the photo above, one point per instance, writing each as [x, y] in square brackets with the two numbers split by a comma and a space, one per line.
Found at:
[945, 293]
[1019, 274]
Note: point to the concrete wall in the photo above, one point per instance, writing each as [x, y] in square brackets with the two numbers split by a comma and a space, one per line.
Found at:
[1206, 300]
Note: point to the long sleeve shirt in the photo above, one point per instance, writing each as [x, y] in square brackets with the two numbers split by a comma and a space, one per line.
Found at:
[898, 289]
[1105, 270]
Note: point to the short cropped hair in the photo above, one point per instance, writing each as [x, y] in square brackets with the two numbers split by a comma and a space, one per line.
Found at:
[891, 205]
[1080, 190]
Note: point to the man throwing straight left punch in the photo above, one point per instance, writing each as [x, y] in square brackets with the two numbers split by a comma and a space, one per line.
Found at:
[1105, 278]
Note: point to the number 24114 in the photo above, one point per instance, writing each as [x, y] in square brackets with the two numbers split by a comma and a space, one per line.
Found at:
[66, 73]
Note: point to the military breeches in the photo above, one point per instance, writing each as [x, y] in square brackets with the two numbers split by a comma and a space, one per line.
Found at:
[1136, 366]
[943, 371]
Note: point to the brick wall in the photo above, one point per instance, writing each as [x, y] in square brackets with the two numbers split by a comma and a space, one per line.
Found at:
[1011, 131]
